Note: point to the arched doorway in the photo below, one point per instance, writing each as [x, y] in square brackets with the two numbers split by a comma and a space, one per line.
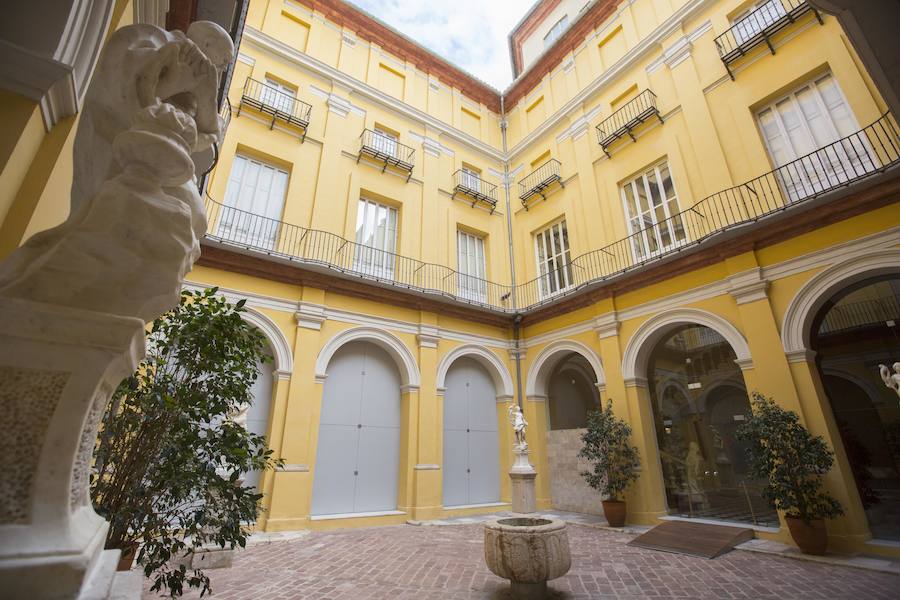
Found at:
[699, 399]
[358, 451]
[258, 414]
[565, 375]
[854, 332]
[471, 463]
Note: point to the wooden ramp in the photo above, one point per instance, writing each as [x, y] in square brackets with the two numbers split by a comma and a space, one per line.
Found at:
[695, 539]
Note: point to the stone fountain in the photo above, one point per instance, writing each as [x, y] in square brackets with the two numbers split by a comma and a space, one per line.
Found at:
[528, 551]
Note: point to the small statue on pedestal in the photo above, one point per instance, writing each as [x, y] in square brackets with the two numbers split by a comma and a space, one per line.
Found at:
[891, 380]
[519, 425]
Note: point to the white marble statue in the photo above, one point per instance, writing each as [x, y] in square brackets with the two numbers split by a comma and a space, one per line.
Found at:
[692, 464]
[519, 424]
[891, 380]
[136, 216]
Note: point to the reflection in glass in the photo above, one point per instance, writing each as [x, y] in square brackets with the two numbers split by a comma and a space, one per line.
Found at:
[699, 400]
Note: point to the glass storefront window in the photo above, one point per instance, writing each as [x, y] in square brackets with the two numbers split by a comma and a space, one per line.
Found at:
[699, 400]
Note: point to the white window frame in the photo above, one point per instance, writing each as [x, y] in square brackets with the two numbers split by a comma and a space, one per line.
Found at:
[554, 268]
[278, 95]
[556, 31]
[470, 178]
[385, 141]
[375, 253]
[472, 266]
[745, 28]
[254, 203]
[649, 222]
[815, 172]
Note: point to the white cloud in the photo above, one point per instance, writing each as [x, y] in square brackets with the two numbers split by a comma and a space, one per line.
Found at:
[472, 34]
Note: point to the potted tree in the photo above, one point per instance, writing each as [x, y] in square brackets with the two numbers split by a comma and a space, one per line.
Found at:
[172, 451]
[792, 462]
[615, 462]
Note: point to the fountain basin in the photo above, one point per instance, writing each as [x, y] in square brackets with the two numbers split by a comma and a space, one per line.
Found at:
[528, 552]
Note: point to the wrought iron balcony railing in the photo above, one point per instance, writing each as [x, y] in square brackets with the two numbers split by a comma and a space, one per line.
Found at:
[324, 250]
[277, 103]
[387, 150]
[871, 150]
[476, 188]
[857, 315]
[758, 27]
[626, 119]
[225, 113]
[539, 180]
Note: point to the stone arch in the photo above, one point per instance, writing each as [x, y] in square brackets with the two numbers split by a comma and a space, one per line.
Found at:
[548, 358]
[396, 349]
[281, 348]
[641, 344]
[487, 359]
[809, 300]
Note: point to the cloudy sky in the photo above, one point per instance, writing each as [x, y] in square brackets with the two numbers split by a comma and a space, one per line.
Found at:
[469, 33]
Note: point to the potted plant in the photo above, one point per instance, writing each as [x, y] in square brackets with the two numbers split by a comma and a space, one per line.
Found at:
[792, 462]
[615, 462]
[171, 453]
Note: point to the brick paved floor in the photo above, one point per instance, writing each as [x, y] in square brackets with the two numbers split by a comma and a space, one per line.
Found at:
[406, 562]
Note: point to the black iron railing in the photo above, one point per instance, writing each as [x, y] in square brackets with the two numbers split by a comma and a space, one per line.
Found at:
[758, 27]
[476, 188]
[624, 120]
[871, 150]
[315, 248]
[386, 149]
[225, 113]
[864, 313]
[539, 180]
[277, 103]
[843, 162]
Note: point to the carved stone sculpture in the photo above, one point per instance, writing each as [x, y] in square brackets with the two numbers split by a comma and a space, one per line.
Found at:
[519, 425]
[74, 299]
[891, 380]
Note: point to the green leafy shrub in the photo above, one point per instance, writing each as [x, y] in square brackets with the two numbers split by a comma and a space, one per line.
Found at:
[606, 445]
[792, 462]
[169, 458]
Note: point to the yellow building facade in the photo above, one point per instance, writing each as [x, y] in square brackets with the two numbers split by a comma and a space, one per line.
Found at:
[663, 210]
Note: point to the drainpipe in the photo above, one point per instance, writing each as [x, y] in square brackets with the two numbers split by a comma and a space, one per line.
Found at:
[512, 263]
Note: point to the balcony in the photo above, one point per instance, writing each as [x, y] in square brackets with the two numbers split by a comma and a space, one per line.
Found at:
[326, 252]
[468, 184]
[873, 149]
[625, 120]
[277, 104]
[539, 180]
[386, 150]
[758, 27]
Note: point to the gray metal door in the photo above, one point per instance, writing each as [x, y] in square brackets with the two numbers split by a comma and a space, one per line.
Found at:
[471, 468]
[258, 413]
[358, 457]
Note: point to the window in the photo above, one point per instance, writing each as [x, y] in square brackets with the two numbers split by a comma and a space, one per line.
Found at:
[470, 252]
[254, 202]
[755, 19]
[385, 141]
[470, 178]
[801, 126]
[556, 31]
[553, 259]
[376, 238]
[278, 95]
[652, 209]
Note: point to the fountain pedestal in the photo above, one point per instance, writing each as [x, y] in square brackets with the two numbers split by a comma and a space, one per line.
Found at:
[522, 474]
[527, 552]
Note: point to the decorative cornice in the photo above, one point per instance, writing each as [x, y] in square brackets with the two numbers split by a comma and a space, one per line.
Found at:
[607, 325]
[310, 316]
[408, 388]
[337, 105]
[678, 52]
[745, 364]
[294, 468]
[427, 467]
[799, 356]
[636, 382]
[748, 286]
[428, 336]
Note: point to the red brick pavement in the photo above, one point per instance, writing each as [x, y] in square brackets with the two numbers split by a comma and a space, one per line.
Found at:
[446, 562]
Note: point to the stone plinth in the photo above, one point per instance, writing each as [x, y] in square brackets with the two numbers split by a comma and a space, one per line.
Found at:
[522, 474]
[58, 368]
[527, 552]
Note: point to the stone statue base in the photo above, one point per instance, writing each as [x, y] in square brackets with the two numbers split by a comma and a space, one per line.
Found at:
[522, 474]
[58, 368]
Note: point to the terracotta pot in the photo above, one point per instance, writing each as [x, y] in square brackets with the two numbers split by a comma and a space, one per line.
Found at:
[614, 511]
[811, 538]
[126, 559]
